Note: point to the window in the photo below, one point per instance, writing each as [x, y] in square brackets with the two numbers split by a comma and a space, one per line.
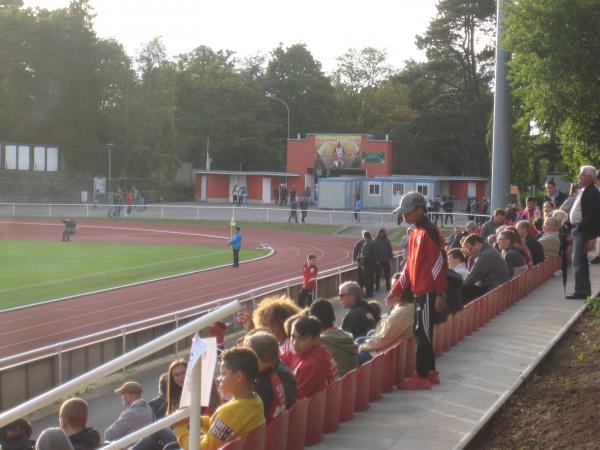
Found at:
[51, 159]
[397, 189]
[39, 159]
[10, 157]
[423, 189]
[375, 189]
[23, 161]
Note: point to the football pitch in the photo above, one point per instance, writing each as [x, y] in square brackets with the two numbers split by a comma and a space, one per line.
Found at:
[34, 271]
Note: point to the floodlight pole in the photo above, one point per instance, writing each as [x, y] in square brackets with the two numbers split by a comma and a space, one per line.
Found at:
[501, 148]
[269, 95]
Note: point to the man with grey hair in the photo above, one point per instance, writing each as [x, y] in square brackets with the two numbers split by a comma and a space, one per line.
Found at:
[359, 320]
[549, 239]
[585, 220]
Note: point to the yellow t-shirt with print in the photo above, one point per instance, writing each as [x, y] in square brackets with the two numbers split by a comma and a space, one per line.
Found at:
[232, 419]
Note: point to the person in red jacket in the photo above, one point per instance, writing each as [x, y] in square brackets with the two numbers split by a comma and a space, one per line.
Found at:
[425, 275]
[309, 283]
[310, 362]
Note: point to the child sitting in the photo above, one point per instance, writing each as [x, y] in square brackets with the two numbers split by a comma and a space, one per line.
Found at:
[268, 383]
[310, 362]
[239, 416]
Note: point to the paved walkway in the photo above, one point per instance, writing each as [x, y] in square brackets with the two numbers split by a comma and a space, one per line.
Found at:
[475, 374]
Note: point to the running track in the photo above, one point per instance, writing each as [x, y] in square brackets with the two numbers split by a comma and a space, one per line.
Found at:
[39, 325]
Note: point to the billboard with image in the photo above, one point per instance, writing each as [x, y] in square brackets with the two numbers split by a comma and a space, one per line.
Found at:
[337, 152]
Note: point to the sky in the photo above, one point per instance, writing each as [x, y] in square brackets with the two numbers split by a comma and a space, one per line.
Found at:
[327, 27]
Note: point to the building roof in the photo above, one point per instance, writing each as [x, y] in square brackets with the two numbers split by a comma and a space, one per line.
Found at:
[245, 172]
[430, 178]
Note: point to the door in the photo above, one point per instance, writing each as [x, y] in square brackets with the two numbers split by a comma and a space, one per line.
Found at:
[397, 192]
[472, 189]
[203, 188]
[266, 190]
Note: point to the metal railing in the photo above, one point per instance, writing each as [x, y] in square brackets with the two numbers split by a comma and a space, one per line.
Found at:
[218, 213]
[60, 392]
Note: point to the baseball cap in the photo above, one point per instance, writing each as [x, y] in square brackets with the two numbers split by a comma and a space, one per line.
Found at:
[409, 202]
[130, 387]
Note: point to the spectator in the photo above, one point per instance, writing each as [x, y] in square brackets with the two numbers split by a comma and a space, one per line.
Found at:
[457, 262]
[52, 439]
[359, 320]
[554, 196]
[310, 362]
[448, 207]
[268, 385]
[293, 211]
[73, 417]
[538, 226]
[515, 261]
[337, 341]
[547, 209]
[492, 226]
[425, 275]
[357, 208]
[437, 205]
[535, 248]
[70, 229]
[489, 269]
[237, 417]
[385, 256]
[234, 194]
[244, 195]
[531, 210]
[217, 330]
[271, 314]
[158, 404]
[177, 371]
[376, 310]
[307, 195]
[136, 415]
[284, 195]
[293, 193]
[395, 326]
[585, 219]
[368, 261]
[303, 210]
[236, 244]
[356, 254]
[309, 281]
[16, 436]
[520, 245]
[550, 239]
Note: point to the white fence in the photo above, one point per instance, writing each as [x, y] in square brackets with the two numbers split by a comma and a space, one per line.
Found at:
[60, 392]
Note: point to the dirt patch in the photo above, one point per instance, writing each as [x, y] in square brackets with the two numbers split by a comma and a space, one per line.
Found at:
[558, 407]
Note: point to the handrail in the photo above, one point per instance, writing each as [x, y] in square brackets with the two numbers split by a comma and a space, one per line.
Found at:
[59, 392]
[132, 327]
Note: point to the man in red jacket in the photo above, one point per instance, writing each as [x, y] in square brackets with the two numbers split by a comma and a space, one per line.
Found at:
[309, 282]
[425, 274]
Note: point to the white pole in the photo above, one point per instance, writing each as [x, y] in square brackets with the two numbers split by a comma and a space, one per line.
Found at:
[60, 392]
[194, 442]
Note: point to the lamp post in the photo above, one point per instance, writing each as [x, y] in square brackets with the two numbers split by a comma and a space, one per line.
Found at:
[109, 148]
[269, 95]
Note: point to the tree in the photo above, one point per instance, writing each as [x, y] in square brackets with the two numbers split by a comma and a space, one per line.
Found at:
[554, 72]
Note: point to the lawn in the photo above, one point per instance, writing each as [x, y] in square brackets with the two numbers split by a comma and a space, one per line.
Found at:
[33, 271]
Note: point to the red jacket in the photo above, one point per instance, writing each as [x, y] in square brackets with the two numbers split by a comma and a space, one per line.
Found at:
[310, 277]
[425, 270]
[312, 371]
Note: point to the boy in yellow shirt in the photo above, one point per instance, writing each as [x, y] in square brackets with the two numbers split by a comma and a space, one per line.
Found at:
[240, 415]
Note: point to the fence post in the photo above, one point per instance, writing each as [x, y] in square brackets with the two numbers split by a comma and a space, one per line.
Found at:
[195, 397]
[162, 212]
[268, 209]
[176, 342]
[330, 218]
[287, 288]
[197, 213]
[49, 210]
[340, 276]
[60, 364]
[123, 344]
[87, 210]
[13, 209]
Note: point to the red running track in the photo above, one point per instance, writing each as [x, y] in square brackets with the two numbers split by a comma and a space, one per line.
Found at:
[45, 324]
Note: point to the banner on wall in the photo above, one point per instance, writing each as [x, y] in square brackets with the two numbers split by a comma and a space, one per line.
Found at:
[373, 157]
[337, 152]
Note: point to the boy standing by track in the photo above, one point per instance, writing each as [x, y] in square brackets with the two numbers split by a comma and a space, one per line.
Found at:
[309, 283]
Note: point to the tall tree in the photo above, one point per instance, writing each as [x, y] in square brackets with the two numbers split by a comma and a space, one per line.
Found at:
[554, 72]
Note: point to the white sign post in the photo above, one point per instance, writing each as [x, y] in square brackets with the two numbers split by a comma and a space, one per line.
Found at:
[204, 352]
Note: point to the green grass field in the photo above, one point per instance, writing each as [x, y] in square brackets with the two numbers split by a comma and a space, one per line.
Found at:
[33, 271]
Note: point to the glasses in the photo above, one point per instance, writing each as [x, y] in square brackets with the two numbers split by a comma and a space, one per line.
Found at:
[503, 239]
[343, 294]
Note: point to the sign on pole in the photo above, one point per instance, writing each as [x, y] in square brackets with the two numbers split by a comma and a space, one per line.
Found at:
[203, 351]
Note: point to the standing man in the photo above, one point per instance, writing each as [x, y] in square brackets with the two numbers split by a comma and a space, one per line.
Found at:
[236, 245]
[554, 195]
[448, 209]
[136, 415]
[357, 208]
[368, 259]
[585, 220]
[293, 211]
[356, 254]
[425, 275]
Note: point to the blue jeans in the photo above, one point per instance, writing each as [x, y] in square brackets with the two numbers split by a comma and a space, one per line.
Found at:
[581, 265]
[156, 441]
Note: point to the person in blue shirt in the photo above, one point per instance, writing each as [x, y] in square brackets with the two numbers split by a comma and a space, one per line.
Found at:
[236, 245]
[357, 208]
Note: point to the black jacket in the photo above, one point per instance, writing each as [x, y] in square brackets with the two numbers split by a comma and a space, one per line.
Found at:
[590, 211]
[359, 320]
[558, 201]
[384, 249]
[357, 249]
[535, 248]
[368, 254]
[86, 439]
[290, 388]
[158, 405]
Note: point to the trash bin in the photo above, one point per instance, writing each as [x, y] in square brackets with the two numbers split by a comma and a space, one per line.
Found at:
[84, 196]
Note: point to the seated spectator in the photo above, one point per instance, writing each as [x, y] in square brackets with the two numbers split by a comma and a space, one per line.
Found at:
[397, 325]
[489, 228]
[237, 417]
[547, 209]
[271, 314]
[550, 239]
[375, 309]
[136, 415]
[16, 436]
[519, 244]
[158, 404]
[73, 417]
[337, 341]
[459, 234]
[310, 362]
[531, 210]
[176, 378]
[535, 248]
[489, 269]
[538, 226]
[52, 439]
[70, 229]
[359, 320]
[513, 256]
[268, 385]
[457, 262]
